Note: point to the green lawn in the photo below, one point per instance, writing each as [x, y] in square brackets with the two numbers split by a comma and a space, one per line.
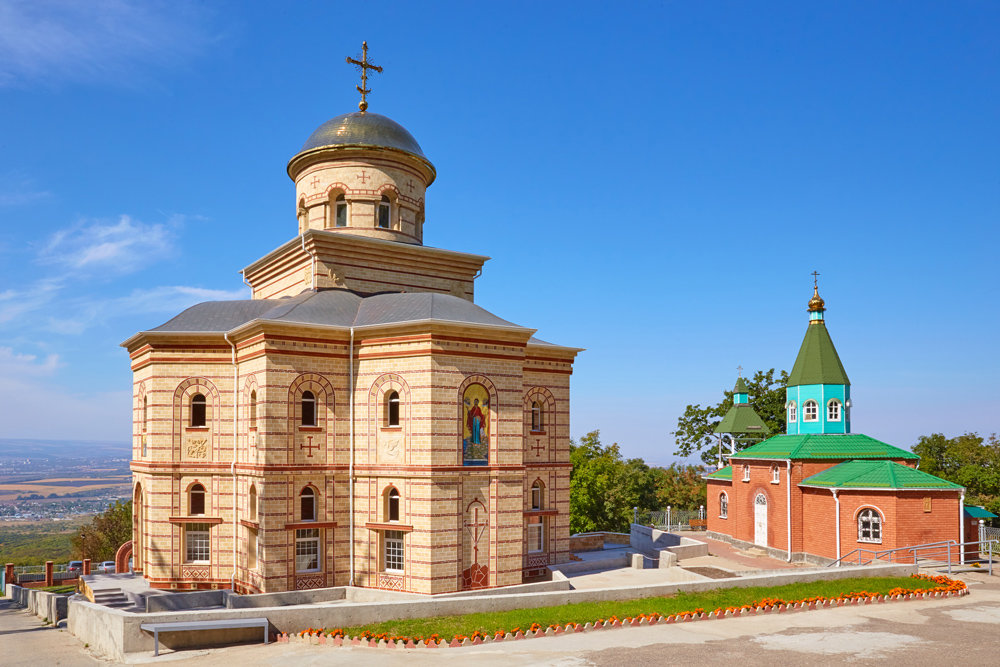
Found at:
[63, 590]
[588, 612]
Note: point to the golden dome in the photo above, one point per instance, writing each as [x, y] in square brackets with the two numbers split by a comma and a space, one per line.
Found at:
[816, 303]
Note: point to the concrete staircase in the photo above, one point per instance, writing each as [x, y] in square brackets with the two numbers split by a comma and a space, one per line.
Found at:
[111, 597]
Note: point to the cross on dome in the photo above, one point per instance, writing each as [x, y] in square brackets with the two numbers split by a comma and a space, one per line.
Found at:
[363, 66]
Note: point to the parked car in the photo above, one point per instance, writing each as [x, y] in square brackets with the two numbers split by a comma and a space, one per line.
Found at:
[107, 567]
[75, 566]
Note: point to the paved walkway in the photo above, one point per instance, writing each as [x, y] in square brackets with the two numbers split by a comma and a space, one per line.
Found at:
[745, 559]
[920, 632]
[25, 642]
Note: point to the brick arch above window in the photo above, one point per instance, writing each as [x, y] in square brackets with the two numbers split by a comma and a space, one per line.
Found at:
[322, 391]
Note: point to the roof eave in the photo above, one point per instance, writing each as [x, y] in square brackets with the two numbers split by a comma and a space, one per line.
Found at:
[881, 488]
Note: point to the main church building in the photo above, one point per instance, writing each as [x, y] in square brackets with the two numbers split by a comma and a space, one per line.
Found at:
[360, 420]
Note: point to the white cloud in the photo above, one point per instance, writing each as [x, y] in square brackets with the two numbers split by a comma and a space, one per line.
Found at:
[108, 41]
[104, 246]
[13, 364]
[15, 304]
[175, 298]
[29, 402]
[76, 316]
[22, 197]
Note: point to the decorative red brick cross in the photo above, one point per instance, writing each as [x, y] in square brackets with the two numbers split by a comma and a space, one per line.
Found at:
[409, 184]
[537, 447]
[310, 447]
[315, 182]
[476, 528]
[364, 177]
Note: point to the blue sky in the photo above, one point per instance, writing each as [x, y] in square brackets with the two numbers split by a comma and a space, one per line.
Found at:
[654, 181]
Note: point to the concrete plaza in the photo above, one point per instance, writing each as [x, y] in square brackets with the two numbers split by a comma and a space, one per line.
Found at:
[919, 632]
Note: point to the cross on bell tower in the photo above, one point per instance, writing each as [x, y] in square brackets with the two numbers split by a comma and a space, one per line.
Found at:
[363, 66]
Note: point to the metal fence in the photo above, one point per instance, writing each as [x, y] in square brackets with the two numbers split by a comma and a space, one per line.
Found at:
[986, 535]
[672, 519]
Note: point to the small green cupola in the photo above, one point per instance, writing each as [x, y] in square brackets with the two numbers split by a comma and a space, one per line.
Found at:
[818, 394]
[741, 426]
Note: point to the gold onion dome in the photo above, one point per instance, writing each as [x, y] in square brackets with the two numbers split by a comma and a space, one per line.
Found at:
[363, 130]
[816, 303]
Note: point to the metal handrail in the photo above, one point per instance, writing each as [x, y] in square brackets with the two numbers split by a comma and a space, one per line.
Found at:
[879, 554]
[946, 546]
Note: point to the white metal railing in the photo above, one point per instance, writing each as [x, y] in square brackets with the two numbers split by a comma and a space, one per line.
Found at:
[945, 552]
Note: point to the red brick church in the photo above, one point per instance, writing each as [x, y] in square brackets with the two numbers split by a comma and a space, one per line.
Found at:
[821, 491]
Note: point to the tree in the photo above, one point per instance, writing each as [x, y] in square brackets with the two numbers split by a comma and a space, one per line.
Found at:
[695, 427]
[100, 539]
[680, 487]
[604, 488]
[969, 460]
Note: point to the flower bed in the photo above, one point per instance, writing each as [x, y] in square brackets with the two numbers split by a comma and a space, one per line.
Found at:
[941, 586]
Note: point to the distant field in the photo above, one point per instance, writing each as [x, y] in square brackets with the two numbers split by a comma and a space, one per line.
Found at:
[60, 486]
[34, 542]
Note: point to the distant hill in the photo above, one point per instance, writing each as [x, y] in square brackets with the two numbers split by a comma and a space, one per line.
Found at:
[22, 448]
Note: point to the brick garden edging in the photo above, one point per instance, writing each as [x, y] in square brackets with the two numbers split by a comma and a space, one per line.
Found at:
[954, 588]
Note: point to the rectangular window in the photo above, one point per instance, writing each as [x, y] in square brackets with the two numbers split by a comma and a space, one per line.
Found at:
[383, 215]
[197, 543]
[536, 535]
[342, 215]
[252, 550]
[746, 473]
[394, 560]
[307, 550]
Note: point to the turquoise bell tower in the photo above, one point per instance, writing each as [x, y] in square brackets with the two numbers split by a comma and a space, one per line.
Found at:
[818, 394]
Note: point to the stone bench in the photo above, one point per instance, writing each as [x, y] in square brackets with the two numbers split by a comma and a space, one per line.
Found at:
[157, 628]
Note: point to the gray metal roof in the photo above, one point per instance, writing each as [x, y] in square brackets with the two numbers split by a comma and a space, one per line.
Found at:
[363, 129]
[333, 308]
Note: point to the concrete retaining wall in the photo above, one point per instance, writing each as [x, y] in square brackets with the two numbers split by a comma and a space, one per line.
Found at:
[115, 633]
[185, 601]
[595, 541]
[650, 541]
[46, 606]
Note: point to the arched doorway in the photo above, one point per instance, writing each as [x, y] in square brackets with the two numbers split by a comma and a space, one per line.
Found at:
[760, 520]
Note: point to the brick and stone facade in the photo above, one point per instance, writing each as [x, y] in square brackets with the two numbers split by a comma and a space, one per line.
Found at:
[268, 433]
[820, 490]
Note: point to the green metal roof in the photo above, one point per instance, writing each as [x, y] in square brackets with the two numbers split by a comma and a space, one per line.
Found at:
[970, 510]
[721, 473]
[741, 387]
[818, 361]
[876, 475]
[742, 418]
[824, 446]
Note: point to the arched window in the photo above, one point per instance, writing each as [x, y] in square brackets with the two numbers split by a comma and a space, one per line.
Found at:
[793, 413]
[253, 409]
[392, 505]
[536, 416]
[536, 496]
[253, 502]
[384, 212]
[833, 410]
[196, 500]
[775, 475]
[810, 411]
[340, 211]
[300, 212]
[746, 473]
[307, 504]
[392, 409]
[723, 505]
[869, 526]
[198, 409]
[308, 409]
